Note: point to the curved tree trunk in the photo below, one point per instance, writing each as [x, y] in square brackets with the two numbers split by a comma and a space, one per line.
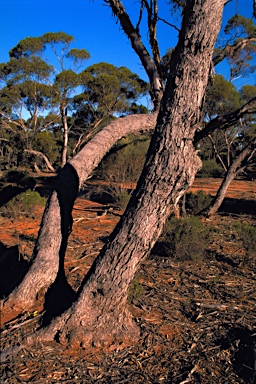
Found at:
[48, 255]
[100, 316]
[229, 177]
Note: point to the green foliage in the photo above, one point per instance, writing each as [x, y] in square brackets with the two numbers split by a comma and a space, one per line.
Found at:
[210, 168]
[22, 204]
[221, 97]
[122, 167]
[21, 178]
[108, 90]
[196, 202]
[135, 290]
[248, 92]
[29, 86]
[46, 142]
[246, 26]
[121, 197]
[124, 164]
[184, 239]
[247, 234]
[240, 60]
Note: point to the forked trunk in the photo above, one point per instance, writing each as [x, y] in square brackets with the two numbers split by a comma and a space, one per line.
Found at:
[49, 252]
[100, 316]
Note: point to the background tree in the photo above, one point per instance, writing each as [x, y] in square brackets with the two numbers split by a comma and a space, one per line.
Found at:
[34, 86]
[240, 149]
[108, 92]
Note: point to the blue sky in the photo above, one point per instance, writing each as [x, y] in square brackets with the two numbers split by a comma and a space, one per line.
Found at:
[92, 25]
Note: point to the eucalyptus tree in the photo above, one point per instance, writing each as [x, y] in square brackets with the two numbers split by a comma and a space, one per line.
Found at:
[100, 316]
[222, 97]
[24, 92]
[240, 149]
[41, 77]
[108, 92]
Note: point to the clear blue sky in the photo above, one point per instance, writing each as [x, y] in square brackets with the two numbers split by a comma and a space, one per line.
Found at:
[92, 25]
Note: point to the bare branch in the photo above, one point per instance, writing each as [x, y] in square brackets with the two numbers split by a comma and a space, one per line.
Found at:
[226, 121]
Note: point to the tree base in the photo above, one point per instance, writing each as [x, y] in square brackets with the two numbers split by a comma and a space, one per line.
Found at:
[106, 333]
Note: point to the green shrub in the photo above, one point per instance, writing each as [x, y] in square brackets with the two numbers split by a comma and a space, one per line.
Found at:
[247, 235]
[196, 202]
[121, 198]
[135, 290]
[210, 168]
[22, 204]
[184, 239]
[125, 163]
[122, 167]
[21, 178]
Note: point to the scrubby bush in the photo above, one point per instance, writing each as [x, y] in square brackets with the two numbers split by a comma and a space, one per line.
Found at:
[122, 167]
[247, 235]
[210, 168]
[121, 198]
[135, 290]
[196, 202]
[184, 239]
[124, 164]
[22, 204]
[21, 178]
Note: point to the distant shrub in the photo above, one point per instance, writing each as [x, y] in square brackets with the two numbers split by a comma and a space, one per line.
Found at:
[247, 234]
[21, 178]
[196, 202]
[22, 204]
[125, 163]
[135, 290]
[210, 168]
[184, 239]
[121, 198]
[122, 167]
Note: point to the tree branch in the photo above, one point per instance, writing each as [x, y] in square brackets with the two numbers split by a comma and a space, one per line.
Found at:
[226, 121]
[139, 48]
[230, 50]
[43, 156]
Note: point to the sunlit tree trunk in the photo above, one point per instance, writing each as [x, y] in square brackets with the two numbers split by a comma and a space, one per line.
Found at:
[56, 223]
[65, 137]
[100, 316]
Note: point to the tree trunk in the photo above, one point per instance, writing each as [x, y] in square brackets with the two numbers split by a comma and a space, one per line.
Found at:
[48, 255]
[65, 138]
[100, 317]
[229, 177]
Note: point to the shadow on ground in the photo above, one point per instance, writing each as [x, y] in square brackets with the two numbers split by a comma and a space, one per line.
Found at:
[12, 269]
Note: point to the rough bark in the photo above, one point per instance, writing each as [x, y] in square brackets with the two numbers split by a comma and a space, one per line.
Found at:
[229, 177]
[56, 223]
[100, 316]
